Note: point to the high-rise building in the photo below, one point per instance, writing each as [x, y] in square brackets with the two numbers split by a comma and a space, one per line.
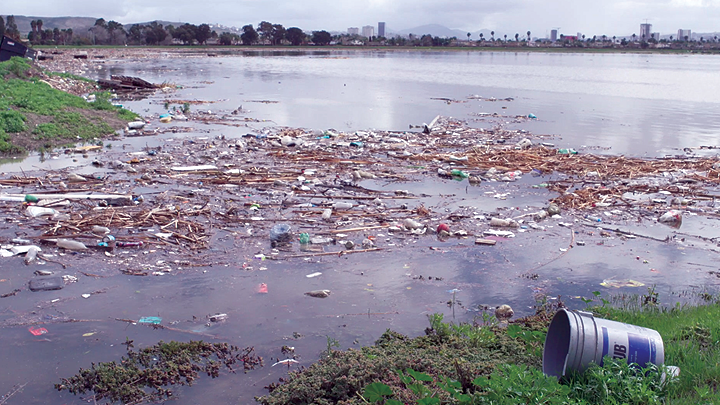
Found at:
[381, 29]
[655, 36]
[368, 31]
[354, 31]
[645, 30]
[684, 33]
[553, 35]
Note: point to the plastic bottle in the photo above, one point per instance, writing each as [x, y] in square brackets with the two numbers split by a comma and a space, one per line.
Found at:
[592, 218]
[71, 244]
[100, 230]
[411, 224]
[128, 244]
[304, 238]
[503, 222]
[540, 215]
[30, 198]
[569, 151]
[35, 211]
[327, 213]
[342, 205]
[280, 233]
[459, 173]
[31, 254]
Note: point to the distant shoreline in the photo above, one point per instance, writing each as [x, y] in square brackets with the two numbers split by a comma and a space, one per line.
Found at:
[244, 48]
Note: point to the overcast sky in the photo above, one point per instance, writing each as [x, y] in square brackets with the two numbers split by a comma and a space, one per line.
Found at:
[597, 17]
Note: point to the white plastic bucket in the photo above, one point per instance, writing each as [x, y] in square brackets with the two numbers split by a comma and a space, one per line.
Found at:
[576, 339]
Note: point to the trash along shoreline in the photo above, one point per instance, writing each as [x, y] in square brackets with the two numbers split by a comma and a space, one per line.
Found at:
[324, 233]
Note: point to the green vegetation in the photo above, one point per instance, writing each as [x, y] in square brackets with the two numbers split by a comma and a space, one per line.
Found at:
[144, 375]
[482, 363]
[34, 115]
[691, 336]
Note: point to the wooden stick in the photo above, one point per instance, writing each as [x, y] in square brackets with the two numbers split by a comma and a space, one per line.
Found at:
[366, 228]
[340, 253]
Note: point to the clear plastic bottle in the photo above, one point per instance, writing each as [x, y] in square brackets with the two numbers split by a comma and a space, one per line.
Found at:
[71, 244]
[280, 233]
[327, 213]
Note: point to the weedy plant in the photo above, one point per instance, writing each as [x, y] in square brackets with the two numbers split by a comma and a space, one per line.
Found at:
[146, 374]
[331, 343]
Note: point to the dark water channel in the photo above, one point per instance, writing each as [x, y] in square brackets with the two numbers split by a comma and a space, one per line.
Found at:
[630, 104]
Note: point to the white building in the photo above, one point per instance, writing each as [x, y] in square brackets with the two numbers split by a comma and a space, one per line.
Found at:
[368, 31]
[645, 30]
[553, 35]
[684, 33]
[354, 31]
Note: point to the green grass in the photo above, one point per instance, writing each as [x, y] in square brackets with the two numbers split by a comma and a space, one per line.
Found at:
[485, 364]
[71, 126]
[6, 145]
[691, 336]
[21, 96]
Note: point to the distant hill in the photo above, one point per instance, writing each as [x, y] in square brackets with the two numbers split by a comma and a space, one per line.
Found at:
[164, 23]
[76, 23]
[435, 30]
[438, 30]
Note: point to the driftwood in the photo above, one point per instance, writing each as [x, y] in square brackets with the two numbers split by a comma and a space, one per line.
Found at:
[126, 83]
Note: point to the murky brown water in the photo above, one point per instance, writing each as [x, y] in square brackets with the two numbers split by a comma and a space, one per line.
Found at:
[371, 291]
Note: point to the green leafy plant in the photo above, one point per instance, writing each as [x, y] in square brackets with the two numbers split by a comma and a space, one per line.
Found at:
[379, 392]
[512, 384]
[16, 65]
[331, 343]
[144, 375]
[618, 382]
[12, 121]
[533, 339]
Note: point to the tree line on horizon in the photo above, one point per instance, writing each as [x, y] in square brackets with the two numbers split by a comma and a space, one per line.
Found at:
[113, 33]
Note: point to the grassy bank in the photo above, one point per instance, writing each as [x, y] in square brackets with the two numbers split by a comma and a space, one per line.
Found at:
[35, 116]
[487, 364]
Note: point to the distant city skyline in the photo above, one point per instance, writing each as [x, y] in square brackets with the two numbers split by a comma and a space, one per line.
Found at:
[610, 17]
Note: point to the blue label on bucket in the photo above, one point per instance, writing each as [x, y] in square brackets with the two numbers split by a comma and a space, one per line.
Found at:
[640, 351]
[606, 343]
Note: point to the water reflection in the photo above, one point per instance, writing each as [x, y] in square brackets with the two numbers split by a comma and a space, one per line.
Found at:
[634, 104]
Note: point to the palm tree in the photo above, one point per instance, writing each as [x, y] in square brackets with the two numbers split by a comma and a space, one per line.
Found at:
[633, 37]
[528, 34]
[31, 36]
[614, 39]
[39, 25]
[468, 34]
[492, 35]
[505, 37]
[516, 37]
[481, 37]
